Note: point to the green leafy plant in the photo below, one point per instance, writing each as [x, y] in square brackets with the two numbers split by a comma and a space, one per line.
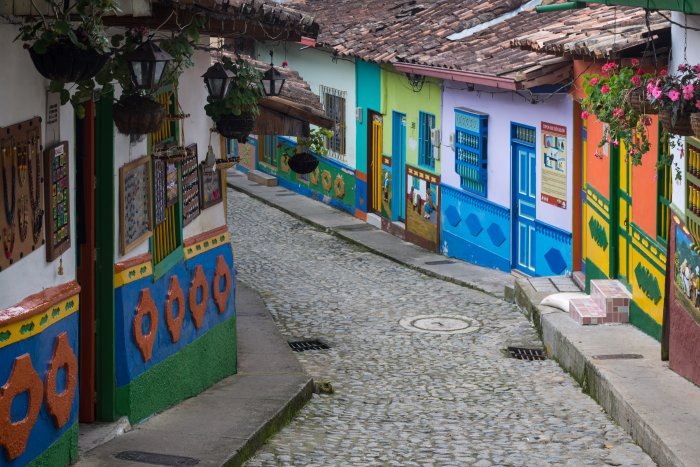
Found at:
[243, 94]
[607, 99]
[314, 143]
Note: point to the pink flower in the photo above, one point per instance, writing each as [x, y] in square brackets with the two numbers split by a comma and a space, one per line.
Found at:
[650, 87]
[657, 92]
[696, 68]
[688, 91]
[635, 62]
[585, 114]
[683, 67]
[595, 81]
[285, 64]
[605, 89]
[618, 112]
[636, 80]
[663, 72]
[674, 95]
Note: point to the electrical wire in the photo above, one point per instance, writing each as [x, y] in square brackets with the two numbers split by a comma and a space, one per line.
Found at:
[686, 27]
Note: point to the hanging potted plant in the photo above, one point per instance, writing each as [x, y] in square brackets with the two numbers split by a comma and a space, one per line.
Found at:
[607, 97]
[676, 97]
[303, 158]
[70, 45]
[143, 68]
[235, 113]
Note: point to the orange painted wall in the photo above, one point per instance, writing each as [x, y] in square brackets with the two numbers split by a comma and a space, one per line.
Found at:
[644, 186]
[597, 168]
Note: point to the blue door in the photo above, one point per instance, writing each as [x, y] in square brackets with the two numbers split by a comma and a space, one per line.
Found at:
[524, 207]
[398, 167]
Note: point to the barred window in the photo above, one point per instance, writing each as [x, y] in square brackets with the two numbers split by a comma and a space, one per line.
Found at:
[426, 122]
[334, 106]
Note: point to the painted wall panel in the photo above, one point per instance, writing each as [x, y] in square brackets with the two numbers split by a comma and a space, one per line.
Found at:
[369, 82]
[643, 190]
[503, 109]
[553, 247]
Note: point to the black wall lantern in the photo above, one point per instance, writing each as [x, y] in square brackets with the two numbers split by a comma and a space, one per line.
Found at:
[217, 78]
[148, 64]
[272, 80]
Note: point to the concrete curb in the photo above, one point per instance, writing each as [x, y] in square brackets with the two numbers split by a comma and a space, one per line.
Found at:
[378, 252]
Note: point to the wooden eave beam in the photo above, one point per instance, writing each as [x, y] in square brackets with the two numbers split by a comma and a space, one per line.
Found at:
[298, 111]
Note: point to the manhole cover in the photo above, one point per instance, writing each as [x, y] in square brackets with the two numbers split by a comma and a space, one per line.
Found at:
[303, 346]
[355, 227]
[155, 458]
[439, 262]
[529, 354]
[618, 356]
[439, 324]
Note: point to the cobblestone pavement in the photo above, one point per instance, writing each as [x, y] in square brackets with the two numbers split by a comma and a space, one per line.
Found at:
[401, 397]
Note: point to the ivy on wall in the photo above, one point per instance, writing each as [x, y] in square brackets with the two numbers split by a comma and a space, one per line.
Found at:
[648, 283]
[598, 233]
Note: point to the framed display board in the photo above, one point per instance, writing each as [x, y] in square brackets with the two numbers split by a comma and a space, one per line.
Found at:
[171, 187]
[21, 183]
[57, 191]
[210, 186]
[134, 203]
[159, 201]
[190, 186]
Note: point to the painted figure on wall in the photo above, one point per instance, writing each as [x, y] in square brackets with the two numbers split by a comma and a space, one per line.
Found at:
[422, 197]
[687, 277]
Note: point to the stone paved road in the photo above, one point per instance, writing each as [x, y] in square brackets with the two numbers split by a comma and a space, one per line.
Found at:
[401, 397]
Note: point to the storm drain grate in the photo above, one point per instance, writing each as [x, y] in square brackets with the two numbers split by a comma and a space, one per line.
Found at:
[439, 262]
[285, 194]
[303, 346]
[355, 227]
[155, 458]
[523, 353]
[618, 356]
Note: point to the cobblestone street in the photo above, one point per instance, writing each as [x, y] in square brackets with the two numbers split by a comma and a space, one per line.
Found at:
[404, 397]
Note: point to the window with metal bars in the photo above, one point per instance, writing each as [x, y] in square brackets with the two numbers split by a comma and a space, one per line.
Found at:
[663, 190]
[426, 122]
[166, 242]
[334, 106]
[267, 149]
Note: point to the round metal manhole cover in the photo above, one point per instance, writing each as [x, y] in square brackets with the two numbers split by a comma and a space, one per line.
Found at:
[439, 324]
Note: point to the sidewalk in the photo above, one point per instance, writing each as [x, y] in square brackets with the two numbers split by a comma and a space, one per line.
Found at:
[227, 423]
[660, 409]
[490, 281]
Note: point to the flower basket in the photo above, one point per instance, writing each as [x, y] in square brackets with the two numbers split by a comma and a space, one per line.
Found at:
[65, 62]
[695, 123]
[682, 126]
[136, 115]
[303, 163]
[236, 126]
[637, 99]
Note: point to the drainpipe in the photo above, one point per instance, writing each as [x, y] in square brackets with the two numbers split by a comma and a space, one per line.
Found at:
[560, 7]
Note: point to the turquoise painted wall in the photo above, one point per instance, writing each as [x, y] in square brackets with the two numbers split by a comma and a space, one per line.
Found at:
[398, 95]
[369, 96]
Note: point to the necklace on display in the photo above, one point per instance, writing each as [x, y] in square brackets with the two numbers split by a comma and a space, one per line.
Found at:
[22, 162]
[35, 188]
[8, 242]
[22, 221]
[9, 205]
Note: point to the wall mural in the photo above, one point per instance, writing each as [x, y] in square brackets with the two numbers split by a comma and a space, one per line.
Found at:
[422, 208]
[387, 191]
[134, 203]
[686, 267]
[21, 168]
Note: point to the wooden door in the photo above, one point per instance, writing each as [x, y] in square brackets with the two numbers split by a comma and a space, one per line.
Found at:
[374, 181]
[622, 213]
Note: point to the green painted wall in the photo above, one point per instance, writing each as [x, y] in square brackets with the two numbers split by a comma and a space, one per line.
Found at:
[184, 374]
[397, 95]
[63, 451]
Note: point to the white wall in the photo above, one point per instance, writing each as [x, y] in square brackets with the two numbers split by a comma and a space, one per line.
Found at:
[505, 108]
[679, 39]
[23, 96]
[192, 95]
[317, 68]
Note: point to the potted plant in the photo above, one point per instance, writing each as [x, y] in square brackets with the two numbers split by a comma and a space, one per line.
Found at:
[235, 114]
[676, 96]
[136, 111]
[303, 158]
[607, 97]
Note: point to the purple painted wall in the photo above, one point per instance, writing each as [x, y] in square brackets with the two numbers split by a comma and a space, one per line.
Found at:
[503, 108]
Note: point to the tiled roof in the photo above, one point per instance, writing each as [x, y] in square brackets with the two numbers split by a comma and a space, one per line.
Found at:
[417, 32]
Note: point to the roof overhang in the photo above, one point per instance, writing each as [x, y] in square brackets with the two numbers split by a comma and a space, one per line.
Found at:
[280, 116]
[461, 76]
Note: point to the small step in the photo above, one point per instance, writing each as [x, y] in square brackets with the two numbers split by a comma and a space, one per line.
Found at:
[613, 297]
[262, 178]
[579, 279]
[586, 311]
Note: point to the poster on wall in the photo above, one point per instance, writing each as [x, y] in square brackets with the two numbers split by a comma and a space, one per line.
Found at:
[190, 186]
[57, 200]
[210, 186]
[21, 183]
[134, 203]
[553, 165]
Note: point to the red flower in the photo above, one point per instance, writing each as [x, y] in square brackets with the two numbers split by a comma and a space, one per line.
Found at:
[641, 71]
[585, 115]
[285, 64]
[279, 145]
[636, 80]
[635, 62]
[663, 72]
[605, 89]
[595, 81]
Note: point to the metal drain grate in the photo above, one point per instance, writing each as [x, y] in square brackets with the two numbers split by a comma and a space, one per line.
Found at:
[529, 354]
[439, 262]
[285, 194]
[618, 356]
[355, 227]
[303, 346]
[155, 458]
